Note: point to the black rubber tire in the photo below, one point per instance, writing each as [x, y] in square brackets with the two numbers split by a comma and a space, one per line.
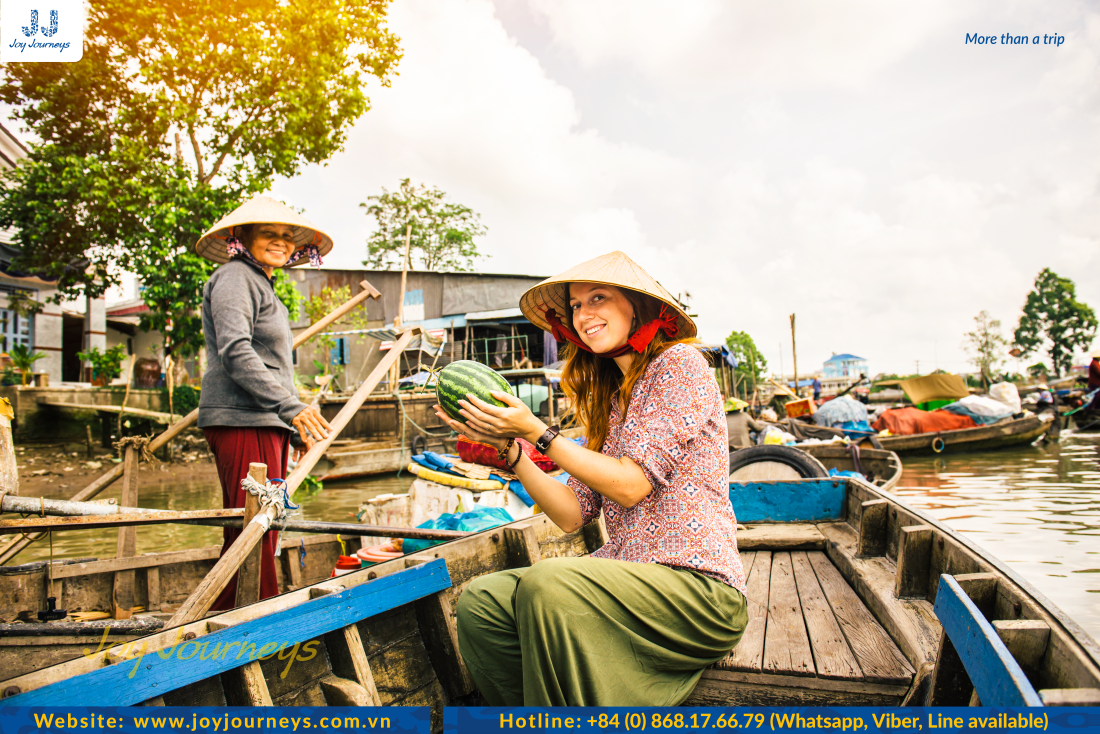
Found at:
[419, 445]
[807, 466]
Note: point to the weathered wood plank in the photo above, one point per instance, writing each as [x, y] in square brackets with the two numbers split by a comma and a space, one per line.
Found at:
[595, 534]
[723, 687]
[786, 644]
[996, 676]
[114, 688]
[876, 653]
[872, 528]
[748, 656]
[348, 659]
[343, 692]
[1027, 640]
[152, 589]
[522, 544]
[914, 557]
[246, 686]
[785, 536]
[832, 656]
[981, 589]
[1070, 696]
[122, 596]
[248, 577]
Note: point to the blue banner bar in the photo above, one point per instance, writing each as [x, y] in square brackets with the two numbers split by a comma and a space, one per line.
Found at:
[758, 719]
[214, 720]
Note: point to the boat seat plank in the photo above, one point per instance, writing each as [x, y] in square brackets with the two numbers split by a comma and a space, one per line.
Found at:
[878, 657]
[748, 656]
[833, 658]
[786, 643]
[305, 621]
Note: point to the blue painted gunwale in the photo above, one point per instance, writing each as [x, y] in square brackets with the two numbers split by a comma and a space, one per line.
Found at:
[806, 500]
[997, 677]
[112, 686]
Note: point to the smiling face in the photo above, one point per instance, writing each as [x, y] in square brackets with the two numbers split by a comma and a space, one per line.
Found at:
[272, 244]
[602, 315]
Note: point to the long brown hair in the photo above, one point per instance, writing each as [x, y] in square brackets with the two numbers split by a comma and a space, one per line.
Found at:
[590, 381]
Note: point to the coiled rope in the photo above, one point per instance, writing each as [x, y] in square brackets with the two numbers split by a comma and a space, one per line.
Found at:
[272, 493]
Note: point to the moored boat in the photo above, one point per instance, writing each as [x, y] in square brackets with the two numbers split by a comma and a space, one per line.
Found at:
[881, 467]
[855, 598]
[1006, 433]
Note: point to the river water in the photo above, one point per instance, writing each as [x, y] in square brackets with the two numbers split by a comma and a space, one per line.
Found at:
[1037, 509]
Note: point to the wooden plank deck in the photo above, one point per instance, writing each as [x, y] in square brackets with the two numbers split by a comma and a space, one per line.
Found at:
[805, 621]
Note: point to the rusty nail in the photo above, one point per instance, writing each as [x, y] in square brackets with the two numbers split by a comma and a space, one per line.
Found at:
[372, 575]
[496, 537]
[189, 636]
[11, 691]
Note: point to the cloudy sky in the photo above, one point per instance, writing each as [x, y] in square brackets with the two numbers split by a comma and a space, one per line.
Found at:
[855, 163]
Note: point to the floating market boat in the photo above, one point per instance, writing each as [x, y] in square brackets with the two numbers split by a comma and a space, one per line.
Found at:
[881, 467]
[855, 599]
[1006, 433]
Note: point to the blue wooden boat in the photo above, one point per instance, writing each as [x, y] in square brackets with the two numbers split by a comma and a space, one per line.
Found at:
[855, 599]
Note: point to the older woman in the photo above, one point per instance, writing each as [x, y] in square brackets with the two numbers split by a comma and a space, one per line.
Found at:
[636, 622]
[249, 402]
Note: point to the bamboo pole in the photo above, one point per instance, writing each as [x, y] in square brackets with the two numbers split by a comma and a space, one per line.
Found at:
[398, 322]
[126, 396]
[203, 597]
[66, 515]
[122, 597]
[794, 354]
[106, 480]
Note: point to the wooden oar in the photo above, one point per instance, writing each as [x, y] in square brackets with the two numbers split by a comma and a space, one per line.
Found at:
[93, 489]
[204, 596]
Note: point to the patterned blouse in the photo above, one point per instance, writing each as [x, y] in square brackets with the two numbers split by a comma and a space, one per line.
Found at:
[675, 431]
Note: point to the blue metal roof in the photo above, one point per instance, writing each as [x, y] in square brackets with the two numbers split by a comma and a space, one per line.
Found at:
[844, 358]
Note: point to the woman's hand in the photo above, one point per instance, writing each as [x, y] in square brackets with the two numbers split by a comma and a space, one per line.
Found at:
[513, 420]
[462, 429]
[311, 425]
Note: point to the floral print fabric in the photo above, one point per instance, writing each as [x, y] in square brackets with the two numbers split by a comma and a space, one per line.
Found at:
[675, 430]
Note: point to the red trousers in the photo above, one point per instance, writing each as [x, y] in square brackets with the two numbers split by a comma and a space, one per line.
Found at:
[234, 449]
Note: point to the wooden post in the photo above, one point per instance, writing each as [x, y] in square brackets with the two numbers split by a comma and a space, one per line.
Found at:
[9, 472]
[248, 578]
[88, 430]
[126, 397]
[122, 600]
[872, 528]
[794, 354]
[14, 547]
[914, 557]
[207, 591]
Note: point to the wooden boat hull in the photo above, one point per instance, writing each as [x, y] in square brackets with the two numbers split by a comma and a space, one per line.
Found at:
[981, 438]
[844, 585]
[363, 460]
[882, 467]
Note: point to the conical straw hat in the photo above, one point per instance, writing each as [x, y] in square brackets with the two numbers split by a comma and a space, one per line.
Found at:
[261, 210]
[614, 268]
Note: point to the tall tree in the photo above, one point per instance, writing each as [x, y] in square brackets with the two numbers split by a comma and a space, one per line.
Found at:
[986, 346]
[250, 89]
[442, 233]
[1053, 318]
[751, 365]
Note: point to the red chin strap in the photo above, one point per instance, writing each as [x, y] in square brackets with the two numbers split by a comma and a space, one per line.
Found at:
[638, 341]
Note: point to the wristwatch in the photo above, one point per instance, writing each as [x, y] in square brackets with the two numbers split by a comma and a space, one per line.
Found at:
[544, 442]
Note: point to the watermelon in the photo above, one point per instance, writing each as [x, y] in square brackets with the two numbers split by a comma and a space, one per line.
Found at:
[458, 379]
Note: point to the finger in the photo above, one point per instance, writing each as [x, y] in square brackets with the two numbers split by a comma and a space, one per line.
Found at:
[469, 409]
[484, 406]
[511, 400]
[482, 426]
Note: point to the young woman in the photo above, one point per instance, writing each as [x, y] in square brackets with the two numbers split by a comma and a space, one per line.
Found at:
[636, 622]
[249, 403]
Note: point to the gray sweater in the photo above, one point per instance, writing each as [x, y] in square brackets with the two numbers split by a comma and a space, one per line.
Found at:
[249, 378]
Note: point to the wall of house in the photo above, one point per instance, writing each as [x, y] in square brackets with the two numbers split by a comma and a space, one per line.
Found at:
[46, 327]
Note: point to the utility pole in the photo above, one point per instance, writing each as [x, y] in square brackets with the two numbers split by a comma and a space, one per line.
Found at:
[395, 370]
[918, 368]
[794, 355]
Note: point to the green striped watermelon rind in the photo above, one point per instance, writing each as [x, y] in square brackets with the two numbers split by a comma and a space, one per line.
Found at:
[465, 376]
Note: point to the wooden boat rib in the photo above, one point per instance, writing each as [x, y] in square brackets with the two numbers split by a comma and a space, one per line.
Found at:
[850, 592]
[1014, 432]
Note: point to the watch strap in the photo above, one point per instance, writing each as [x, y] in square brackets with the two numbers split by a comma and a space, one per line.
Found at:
[544, 441]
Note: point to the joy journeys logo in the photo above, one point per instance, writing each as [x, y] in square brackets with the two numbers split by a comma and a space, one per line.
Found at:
[41, 30]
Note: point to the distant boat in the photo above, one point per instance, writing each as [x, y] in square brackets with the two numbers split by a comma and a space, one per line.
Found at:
[1006, 433]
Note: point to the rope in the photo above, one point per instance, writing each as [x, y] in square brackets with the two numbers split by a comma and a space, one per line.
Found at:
[140, 444]
[272, 493]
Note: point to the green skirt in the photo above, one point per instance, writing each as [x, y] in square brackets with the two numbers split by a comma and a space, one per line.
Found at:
[595, 632]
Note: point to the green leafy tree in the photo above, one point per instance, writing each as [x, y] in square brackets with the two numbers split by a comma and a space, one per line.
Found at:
[1053, 318]
[751, 365]
[291, 297]
[250, 89]
[986, 346]
[442, 233]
